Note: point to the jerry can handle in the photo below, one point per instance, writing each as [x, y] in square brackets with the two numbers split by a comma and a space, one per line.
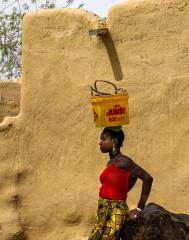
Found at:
[102, 93]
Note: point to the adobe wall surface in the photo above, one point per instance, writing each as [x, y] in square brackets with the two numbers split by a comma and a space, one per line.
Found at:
[50, 159]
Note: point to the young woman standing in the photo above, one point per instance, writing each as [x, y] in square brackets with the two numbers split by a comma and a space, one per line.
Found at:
[117, 179]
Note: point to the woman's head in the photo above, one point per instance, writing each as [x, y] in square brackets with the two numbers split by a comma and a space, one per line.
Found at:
[111, 137]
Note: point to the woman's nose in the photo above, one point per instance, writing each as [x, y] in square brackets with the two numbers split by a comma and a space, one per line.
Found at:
[100, 142]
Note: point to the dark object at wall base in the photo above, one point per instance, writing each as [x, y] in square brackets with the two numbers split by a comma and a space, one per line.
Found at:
[157, 224]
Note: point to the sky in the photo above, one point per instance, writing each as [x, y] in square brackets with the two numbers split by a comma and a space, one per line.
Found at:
[100, 7]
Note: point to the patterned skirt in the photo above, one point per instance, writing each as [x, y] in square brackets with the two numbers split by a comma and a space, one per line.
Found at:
[108, 219]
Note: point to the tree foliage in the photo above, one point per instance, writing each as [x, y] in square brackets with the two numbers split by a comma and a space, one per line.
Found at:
[11, 15]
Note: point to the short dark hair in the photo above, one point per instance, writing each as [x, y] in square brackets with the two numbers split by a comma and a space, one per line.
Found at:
[119, 134]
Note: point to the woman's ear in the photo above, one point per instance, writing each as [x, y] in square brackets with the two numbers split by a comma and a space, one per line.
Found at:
[115, 141]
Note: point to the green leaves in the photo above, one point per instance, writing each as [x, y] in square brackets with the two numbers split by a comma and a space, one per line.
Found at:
[10, 45]
[81, 5]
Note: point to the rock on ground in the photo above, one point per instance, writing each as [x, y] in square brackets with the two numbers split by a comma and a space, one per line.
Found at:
[157, 224]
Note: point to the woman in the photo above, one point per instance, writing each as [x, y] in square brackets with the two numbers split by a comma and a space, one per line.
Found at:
[117, 179]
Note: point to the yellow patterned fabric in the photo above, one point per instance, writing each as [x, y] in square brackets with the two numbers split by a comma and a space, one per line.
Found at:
[108, 219]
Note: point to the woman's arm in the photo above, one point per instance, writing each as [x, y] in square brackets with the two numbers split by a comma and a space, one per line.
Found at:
[132, 181]
[146, 186]
[147, 180]
[138, 172]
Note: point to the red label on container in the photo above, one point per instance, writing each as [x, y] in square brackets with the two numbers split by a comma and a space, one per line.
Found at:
[116, 110]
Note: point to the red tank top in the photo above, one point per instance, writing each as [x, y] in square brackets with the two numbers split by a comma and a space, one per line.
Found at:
[114, 182]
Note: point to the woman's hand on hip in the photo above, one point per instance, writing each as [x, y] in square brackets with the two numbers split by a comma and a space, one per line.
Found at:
[134, 215]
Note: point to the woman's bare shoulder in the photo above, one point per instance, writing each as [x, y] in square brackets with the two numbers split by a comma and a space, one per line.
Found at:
[124, 162]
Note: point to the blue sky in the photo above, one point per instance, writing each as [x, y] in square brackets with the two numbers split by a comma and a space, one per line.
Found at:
[100, 7]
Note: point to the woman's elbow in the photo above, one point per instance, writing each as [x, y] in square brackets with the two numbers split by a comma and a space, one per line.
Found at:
[148, 179]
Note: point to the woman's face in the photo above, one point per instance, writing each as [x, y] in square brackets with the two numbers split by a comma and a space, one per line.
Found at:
[106, 143]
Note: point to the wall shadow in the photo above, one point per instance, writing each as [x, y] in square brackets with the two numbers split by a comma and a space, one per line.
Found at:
[112, 53]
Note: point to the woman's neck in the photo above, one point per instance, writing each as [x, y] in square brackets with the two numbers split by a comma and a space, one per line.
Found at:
[114, 153]
[113, 157]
